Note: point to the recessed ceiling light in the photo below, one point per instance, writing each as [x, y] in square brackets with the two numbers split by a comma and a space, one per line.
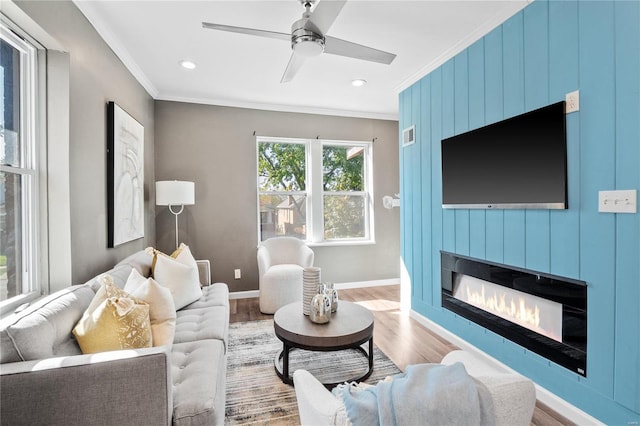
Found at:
[187, 64]
[358, 82]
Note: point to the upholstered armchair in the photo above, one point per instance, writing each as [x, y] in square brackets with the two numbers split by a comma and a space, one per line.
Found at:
[280, 264]
[513, 397]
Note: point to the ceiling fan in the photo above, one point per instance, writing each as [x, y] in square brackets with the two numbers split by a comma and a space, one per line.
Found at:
[308, 37]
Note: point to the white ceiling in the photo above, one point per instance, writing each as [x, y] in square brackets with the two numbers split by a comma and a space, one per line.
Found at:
[152, 36]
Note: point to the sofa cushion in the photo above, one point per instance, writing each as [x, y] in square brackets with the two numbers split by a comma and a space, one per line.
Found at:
[114, 320]
[118, 274]
[162, 310]
[140, 261]
[200, 324]
[212, 295]
[44, 329]
[198, 371]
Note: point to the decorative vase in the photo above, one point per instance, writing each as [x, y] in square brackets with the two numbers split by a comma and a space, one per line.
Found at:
[332, 293]
[320, 307]
[310, 282]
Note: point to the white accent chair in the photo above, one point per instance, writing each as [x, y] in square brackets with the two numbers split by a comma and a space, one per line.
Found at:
[280, 264]
[513, 396]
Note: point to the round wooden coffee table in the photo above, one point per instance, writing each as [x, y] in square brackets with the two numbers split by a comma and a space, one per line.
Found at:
[350, 327]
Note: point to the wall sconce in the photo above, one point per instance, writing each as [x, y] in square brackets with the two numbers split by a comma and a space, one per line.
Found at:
[389, 202]
[175, 193]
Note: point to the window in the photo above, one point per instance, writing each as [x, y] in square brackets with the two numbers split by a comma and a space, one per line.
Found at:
[345, 210]
[19, 177]
[282, 176]
[315, 190]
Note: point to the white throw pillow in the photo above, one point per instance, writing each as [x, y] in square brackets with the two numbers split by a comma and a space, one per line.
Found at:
[180, 277]
[162, 309]
[183, 255]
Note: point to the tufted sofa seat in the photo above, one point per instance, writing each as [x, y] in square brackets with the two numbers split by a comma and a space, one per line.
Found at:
[45, 378]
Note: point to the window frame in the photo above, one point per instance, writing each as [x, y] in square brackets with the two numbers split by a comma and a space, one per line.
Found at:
[365, 193]
[314, 189]
[32, 165]
[305, 192]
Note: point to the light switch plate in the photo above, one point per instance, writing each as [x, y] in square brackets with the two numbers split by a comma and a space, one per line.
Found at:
[623, 201]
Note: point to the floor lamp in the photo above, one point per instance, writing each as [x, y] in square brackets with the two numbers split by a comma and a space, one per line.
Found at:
[175, 193]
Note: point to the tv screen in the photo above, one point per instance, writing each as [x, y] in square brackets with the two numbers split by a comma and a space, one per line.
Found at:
[518, 163]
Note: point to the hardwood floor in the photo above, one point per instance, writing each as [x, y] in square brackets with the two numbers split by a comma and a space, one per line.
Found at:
[400, 337]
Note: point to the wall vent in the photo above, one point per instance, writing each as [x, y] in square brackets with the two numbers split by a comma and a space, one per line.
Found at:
[409, 136]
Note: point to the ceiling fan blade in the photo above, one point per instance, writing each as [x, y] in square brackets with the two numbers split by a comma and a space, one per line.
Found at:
[325, 14]
[295, 63]
[249, 31]
[336, 46]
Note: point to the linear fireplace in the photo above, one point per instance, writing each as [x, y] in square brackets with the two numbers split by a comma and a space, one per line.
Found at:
[543, 313]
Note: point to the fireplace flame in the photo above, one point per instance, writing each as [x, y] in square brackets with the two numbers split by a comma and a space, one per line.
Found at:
[512, 305]
[516, 310]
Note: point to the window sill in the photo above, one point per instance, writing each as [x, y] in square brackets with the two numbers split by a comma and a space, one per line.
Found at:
[341, 243]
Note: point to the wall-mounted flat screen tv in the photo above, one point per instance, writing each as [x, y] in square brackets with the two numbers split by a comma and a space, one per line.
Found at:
[517, 163]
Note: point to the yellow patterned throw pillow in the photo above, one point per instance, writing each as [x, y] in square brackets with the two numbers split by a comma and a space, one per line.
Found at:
[114, 320]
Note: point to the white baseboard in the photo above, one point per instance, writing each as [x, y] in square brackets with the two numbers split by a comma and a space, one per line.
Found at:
[362, 284]
[244, 294]
[554, 402]
[339, 286]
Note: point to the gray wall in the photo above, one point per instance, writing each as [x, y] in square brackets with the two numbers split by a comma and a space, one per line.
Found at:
[96, 76]
[215, 147]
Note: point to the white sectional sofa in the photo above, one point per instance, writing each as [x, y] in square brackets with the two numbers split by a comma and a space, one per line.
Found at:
[45, 378]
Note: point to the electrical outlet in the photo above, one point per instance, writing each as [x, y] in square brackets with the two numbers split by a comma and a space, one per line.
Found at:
[237, 274]
[572, 102]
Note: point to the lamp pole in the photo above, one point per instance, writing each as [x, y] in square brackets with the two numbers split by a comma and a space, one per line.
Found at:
[176, 215]
[174, 193]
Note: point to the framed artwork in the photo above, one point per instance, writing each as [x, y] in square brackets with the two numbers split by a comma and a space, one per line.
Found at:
[125, 176]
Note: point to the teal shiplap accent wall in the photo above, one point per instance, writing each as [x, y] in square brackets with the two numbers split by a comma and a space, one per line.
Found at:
[545, 51]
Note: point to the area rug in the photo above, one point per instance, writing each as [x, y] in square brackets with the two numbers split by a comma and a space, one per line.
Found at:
[256, 395]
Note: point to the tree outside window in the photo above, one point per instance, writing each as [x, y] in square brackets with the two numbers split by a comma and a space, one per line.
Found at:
[344, 192]
[282, 188]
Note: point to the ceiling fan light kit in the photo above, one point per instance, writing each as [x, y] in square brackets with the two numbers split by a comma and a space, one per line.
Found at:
[306, 43]
[308, 37]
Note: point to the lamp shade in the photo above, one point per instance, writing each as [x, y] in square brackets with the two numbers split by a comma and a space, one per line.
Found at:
[175, 193]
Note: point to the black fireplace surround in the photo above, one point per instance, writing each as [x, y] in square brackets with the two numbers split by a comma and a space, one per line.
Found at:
[571, 353]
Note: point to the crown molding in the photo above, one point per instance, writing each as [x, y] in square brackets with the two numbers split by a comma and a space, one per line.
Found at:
[301, 109]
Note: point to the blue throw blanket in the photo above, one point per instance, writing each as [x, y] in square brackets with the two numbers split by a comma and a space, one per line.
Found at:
[425, 394]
